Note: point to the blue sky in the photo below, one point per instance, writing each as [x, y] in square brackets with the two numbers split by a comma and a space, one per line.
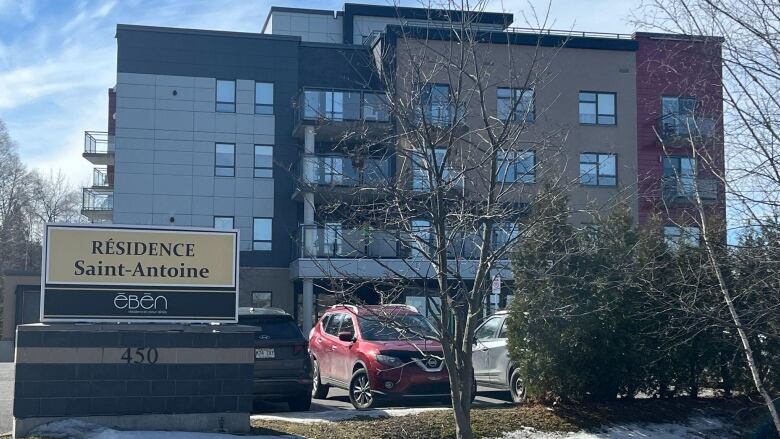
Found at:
[58, 57]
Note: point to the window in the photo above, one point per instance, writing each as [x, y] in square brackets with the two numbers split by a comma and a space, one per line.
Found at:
[677, 115]
[503, 233]
[514, 166]
[421, 169]
[332, 324]
[331, 239]
[264, 161]
[681, 236]
[515, 104]
[332, 169]
[375, 107]
[421, 237]
[436, 104]
[223, 222]
[598, 169]
[261, 234]
[488, 329]
[502, 333]
[226, 96]
[261, 299]
[264, 98]
[225, 160]
[347, 324]
[597, 108]
[332, 105]
[680, 176]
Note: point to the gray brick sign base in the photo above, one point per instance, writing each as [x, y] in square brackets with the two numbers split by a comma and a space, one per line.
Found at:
[146, 377]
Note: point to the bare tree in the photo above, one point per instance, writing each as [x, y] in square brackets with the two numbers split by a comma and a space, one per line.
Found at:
[751, 61]
[456, 107]
[54, 198]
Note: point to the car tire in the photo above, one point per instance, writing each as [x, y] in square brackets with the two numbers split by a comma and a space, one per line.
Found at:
[360, 394]
[516, 387]
[301, 403]
[318, 390]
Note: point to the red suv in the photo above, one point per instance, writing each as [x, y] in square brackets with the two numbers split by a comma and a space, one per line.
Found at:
[382, 351]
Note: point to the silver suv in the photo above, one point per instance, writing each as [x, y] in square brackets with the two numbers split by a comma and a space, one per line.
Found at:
[492, 366]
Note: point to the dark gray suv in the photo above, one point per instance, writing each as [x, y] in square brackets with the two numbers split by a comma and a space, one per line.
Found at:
[492, 365]
[282, 364]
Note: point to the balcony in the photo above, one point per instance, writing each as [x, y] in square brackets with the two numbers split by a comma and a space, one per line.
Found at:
[683, 190]
[100, 178]
[97, 204]
[341, 113]
[682, 130]
[341, 173]
[335, 241]
[99, 148]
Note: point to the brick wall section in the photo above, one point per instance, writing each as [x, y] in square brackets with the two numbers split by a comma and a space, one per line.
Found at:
[674, 65]
[197, 371]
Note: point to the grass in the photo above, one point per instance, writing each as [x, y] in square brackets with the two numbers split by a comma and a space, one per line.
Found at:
[492, 422]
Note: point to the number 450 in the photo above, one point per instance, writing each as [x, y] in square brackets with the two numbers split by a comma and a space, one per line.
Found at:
[140, 355]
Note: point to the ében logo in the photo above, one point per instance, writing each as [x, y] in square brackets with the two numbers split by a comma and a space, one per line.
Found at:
[145, 304]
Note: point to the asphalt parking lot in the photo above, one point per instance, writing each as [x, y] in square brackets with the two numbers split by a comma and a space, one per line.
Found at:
[6, 397]
[339, 400]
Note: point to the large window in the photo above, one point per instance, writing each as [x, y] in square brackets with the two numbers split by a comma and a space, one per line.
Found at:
[597, 108]
[680, 175]
[422, 169]
[598, 169]
[225, 160]
[677, 236]
[261, 234]
[375, 107]
[264, 98]
[421, 237]
[226, 96]
[223, 222]
[516, 167]
[677, 115]
[331, 105]
[264, 161]
[437, 104]
[515, 104]
[505, 233]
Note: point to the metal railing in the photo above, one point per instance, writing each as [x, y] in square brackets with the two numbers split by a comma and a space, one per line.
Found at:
[100, 177]
[372, 38]
[336, 170]
[97, 200]
[685, 126]
[98, 142]
[569, 33]
[674, 189]
[342, 105]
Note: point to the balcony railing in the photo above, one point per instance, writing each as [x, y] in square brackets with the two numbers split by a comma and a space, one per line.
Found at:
[682, 127]
[100, 177]
[333, 170]
[98, 142]
[676, 189]
[97, 200]
[342, 105]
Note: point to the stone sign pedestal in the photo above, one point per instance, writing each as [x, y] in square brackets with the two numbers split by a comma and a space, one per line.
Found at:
[134, 376]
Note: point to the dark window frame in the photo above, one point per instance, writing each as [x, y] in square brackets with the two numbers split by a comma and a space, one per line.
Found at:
[530, 116]
[515, 164]
[256, 168]
[598, 169]
[232, 167]
[256, 241]
[269, 105]
[216, 96]
[597, 93]
[427, 105]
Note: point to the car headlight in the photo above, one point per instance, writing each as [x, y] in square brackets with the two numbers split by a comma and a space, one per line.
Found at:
[388, 360]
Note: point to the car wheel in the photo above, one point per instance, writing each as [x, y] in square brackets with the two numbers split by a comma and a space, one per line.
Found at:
[318, 390]
[301, 403]
[516, 387]
[360, 394]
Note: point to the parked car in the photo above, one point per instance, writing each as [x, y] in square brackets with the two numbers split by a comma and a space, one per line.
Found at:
[282, 364]
[377, 352]
[490, 356]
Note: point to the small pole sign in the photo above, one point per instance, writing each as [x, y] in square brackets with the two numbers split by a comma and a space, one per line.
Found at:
[123, 273]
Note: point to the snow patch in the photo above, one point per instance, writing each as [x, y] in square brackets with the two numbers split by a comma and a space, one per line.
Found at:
[343, 415]
[76, 429]
[694, 428]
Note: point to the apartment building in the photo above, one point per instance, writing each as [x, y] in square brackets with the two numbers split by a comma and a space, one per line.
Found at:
[235, 130]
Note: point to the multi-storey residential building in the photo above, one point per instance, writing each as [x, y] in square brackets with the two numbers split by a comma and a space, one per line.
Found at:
[233, 130]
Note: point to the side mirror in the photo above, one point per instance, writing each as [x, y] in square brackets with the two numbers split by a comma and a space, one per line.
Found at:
[346, 336]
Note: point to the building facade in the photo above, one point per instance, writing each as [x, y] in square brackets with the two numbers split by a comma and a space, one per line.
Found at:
[235, 130]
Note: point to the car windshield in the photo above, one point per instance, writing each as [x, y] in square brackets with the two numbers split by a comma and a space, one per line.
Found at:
[398, 327]
[273, 329]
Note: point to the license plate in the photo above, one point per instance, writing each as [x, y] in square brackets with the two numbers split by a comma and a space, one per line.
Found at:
[261, 353]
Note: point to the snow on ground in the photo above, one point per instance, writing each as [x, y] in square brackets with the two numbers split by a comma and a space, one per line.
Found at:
[342, 415]
[75, 429]
[694, 428]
